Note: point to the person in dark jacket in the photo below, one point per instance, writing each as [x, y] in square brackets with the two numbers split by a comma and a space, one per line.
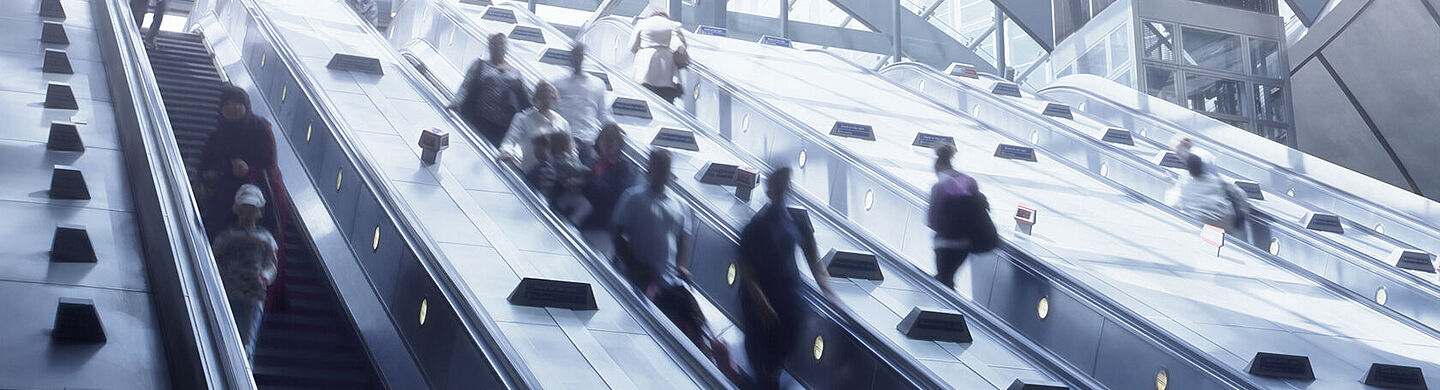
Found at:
[246, 257]
[138, 8]
[240, 151]
[959, 215]
[608, 178]
[492, 94]
[771, 282]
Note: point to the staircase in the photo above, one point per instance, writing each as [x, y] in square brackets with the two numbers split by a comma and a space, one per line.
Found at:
[308, 343]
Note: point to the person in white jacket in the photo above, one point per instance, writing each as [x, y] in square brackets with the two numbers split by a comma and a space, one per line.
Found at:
[654, 42]
[582, 104]
[1208, 197]
[535, 121]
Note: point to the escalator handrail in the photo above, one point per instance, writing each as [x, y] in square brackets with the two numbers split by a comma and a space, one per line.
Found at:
[824, 308]
[1166, 340]
[1346, 253]
[217, 338]
[497, 351]
[1008, 336]
[1330, 190]
[678, 346]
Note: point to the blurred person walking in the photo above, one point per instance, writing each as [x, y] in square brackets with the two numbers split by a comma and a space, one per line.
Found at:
[960, 216]
[660, 52]
[582, 104]
[771, 297]
[492, 94]
[246, 257]
[537, 121]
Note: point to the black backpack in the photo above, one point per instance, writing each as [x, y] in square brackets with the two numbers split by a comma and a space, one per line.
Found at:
[968, 217]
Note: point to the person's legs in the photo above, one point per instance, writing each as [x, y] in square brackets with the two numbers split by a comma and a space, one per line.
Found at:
[947, 261]
[247, 320]
[138, 8]
[160, 8]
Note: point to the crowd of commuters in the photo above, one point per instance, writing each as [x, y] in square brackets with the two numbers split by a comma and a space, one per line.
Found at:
[569, 148]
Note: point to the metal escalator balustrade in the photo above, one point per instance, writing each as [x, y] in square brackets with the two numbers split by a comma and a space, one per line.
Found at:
[1364, 202]
[653, 352]
[713, 238]
[305, 339]
[724, 205]
[1355, 260]
[448, 341]
[1219, 308]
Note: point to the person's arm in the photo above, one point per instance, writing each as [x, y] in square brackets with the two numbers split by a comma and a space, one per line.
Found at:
[812, 256]
[932, 219]
[744, 262]
[635, 40]
[682, 246]
[510, 145]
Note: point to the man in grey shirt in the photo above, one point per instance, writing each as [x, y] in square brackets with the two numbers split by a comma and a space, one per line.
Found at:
[649, 228]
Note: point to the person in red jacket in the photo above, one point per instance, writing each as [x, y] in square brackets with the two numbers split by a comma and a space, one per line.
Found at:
[240, 151]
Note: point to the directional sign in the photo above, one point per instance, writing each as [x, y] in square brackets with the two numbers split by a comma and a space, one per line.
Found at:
[630, 107]
[962, 70]
[503, 15]
[853, 265]
[527, 33]
[717, 174]
[1057, 110]
[555, 56]
[853, 130]
[1277, 365]
[674, 138]
[1323, 222]
[1118, 136]
[1005, 88]
[1015, 152]
[1389, 376]
[603, 77]
[1025, 217]
[1413, 260]
[932, 141]
[1252, 189]
[354, 63]
[774, 41]
[712, 31]
[1168, 160]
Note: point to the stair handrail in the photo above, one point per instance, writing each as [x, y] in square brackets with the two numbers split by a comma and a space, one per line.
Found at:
[212, 339]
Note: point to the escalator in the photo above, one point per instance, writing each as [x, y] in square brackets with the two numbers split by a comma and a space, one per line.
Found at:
[875, 310]
[1357, 259]
[1364, 202]
[1136, 258]
[306, 339]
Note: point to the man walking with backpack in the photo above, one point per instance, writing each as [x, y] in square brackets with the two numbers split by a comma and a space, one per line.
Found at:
[960, 216]
[492, 94]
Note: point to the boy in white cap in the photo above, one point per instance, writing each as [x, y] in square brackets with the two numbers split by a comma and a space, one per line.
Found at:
[245, 254]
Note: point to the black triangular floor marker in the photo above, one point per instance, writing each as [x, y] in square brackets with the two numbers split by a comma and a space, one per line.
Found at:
[77, 320]
[56, 61]
[65, 137]
[52, 9]
[67, 182]
[72, 245]
[54, 32]
[59, 95]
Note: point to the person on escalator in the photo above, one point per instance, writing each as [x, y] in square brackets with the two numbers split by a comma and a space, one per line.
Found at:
[609, 176]
[492, 94]
[649, 229]
[1208, 197]
[138, 8]
[537, 121]
[240, 151]
[245, 254]
[558, 176]
[582, 104]
[660, 53]
[960, 216]
[771, 283]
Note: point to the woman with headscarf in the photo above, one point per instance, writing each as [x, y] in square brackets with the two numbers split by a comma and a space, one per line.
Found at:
[240, 151]
[655, 43]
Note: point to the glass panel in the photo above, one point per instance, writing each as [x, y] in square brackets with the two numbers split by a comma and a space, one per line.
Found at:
[1242, 125]
[1270, 103]
[1160, 83]
[1213, 50]
[1092, 62]
[1159, 41]
[1265, 6]
[1214, 95]
[1274, 133]
[767, 8]
[1119, 47]
[1265, 58]
[1124, 79]
[1069, 69]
